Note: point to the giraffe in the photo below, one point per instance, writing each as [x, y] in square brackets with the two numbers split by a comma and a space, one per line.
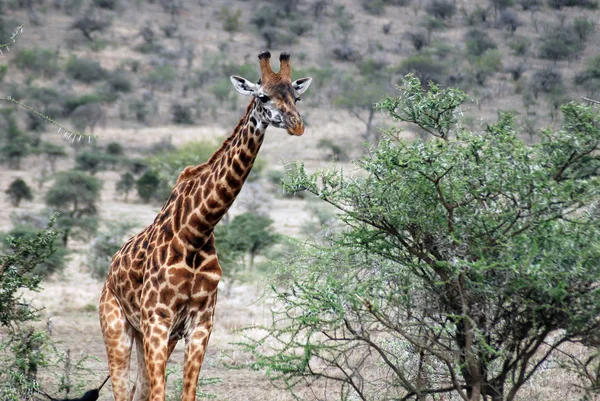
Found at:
[162, 284]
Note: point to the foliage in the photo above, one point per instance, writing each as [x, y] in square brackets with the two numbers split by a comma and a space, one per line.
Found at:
[590, 76]
[478, 42]
[230, 19]
[107, 4]
[169, 164]
[90, 23]
[509, 19]
[463, 265]
[119, 81]
[519, 45]
[161, 78]
[54, 263]
[486, 65]
[22, 348]
[182, 113]
[93, 161]
[125, 184]
[560, 43]
[148, 185]
[85, 70]
[39, 61]
[246, 236]
[359, 96]
[546, 81]
[558, 4]
[52, 152]
[373, 7]
[74, 195]
[14, 143]
[424, 67]
[530, 4]
[441, 9]
[17, 191]
[105, 245]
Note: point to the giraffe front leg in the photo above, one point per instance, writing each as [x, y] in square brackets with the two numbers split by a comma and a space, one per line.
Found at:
[195, 349]
[156, 353]
[118, 340]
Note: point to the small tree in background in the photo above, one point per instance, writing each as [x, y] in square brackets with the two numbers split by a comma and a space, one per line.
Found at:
[52, 152]
[147, 185]
[74, 195]
[105, 245]
[464, 264]
[246, 236]
[125, 184]
[18, 191]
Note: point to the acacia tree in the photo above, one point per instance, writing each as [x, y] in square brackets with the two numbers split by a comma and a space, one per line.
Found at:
[73, 195]
[465, 262]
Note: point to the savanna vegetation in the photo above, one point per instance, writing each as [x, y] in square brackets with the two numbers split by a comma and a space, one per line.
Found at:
[449, 252]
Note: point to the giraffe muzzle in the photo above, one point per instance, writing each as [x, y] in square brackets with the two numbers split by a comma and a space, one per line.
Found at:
[295, 126]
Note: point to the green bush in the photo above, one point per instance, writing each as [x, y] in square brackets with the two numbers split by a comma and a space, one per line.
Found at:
[230, 19]
[119, 81]
[161, 78]
[106, 4]
[558, 4]
[39, 61]
[182, 113]
[424, 67]
[441, 9]
[17, 191]
[85, 70]
[147, 186]
[104, 246]
[546, 81]
[478, 42]
[373, 7]
[54, 263]
[560, 43]
[519, 45]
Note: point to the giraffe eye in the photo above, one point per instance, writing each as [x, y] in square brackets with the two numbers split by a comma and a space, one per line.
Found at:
[264, 98]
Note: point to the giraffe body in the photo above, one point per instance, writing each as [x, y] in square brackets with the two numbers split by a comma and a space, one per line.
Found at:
[162, 284]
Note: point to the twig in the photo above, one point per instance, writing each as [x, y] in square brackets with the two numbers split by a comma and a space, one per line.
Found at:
[590, 100]
[12, 39]
[68, 134]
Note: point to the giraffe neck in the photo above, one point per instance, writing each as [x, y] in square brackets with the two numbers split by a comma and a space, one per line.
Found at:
[208, 190]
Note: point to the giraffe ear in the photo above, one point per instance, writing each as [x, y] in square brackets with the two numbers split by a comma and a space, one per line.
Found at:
[243, 86]
[301, 85]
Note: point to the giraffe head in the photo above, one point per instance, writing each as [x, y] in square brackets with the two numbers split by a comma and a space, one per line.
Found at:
[276, 95]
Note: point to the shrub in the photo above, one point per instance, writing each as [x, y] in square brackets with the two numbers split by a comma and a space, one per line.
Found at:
[519, 45]
[230, 19]
[106, 4]
[509, 20]
[530, 4]
[90, 23]
[39, 61]
[560, 43]
[373, 7]
[54, 263]
[546, 81]
[418, 39]
[424, 67]
[478, 42]
[147, 186]
[161, 78]
[17, 191]
[92, 161]
[104, 246]
[3, 72]
[125, 184]
[486, 65]
[558, 4]
[85, 70]
[583, 28]
[119, 81]
[182, 113]
[441, 9]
